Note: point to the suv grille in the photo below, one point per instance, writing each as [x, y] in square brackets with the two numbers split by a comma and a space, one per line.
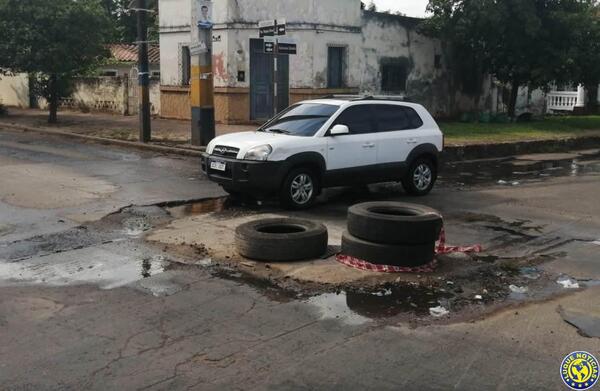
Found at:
[221, 150]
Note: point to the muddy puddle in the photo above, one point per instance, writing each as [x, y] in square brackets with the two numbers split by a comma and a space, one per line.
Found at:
[103, 267]
[199, 208]
[514, 171]
[109, 253]
[456, 297]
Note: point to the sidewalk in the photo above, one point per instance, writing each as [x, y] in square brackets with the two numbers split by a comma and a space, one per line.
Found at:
[463, 141]
[112, 126]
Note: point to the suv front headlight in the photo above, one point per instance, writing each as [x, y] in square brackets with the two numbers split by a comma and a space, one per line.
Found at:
[260, 153]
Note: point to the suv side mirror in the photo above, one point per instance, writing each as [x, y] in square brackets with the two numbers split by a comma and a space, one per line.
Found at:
[339, 130]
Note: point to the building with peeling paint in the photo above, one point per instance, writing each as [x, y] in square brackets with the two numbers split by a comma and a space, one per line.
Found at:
[341, 49]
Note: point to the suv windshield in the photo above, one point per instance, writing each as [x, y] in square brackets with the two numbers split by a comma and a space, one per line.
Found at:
[303, 119]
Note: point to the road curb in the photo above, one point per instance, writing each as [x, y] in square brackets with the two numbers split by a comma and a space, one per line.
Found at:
[109, 141]
[486, 151]
[451, 153]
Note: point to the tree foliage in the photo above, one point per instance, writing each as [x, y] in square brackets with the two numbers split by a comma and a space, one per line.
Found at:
[584, 56]
[520, 42]
[124, 23]
[53, 40]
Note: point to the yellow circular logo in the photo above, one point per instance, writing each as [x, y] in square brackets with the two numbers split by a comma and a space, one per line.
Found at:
[579, 370]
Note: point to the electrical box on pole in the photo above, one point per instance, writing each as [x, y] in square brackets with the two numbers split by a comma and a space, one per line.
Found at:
[202, 84]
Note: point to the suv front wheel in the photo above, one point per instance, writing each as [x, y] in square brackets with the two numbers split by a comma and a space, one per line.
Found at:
[420, 177]
[300, 189]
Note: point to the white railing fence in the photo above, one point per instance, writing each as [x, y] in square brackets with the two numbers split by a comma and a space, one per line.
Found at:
[566, 100]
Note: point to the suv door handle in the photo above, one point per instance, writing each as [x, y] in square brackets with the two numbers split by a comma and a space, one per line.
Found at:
[412, 141]
[368, 145]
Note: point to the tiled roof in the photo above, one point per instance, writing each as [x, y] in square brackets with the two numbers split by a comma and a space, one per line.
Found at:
[129, 53]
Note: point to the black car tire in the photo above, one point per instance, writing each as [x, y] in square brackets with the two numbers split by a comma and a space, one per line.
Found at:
[286, 196]
[281, 240]
[403, 255]
[394, 223]
[410, 183]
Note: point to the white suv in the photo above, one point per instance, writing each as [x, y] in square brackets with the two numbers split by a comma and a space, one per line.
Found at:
[329, 142]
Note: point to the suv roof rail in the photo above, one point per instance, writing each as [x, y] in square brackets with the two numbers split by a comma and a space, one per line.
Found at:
[344, 97]
[398, 98]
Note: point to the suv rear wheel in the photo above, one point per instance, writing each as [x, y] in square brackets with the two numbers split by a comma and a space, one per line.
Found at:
[420, 178]
[300, 189]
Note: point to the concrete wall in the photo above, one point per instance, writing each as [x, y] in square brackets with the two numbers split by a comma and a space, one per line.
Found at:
[175, 30]
[14, 90]
[118, 95]
[107, 94]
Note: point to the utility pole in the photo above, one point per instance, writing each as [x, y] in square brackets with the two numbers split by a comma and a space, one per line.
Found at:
[202, 84]
[143, 71]
[275, 76]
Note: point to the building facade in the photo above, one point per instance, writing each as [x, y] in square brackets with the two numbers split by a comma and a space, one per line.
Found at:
[341, 49]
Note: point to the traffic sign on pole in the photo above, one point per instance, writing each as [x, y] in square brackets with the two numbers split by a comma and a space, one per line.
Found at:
[266, 28]
[286, 46]
[270, 44]
[281, 26]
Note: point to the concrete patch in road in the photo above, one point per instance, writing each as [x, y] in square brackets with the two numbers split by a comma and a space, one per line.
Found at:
[587, 322]
[49, 186]
[31, 147]
[580, 262]
[31, 309]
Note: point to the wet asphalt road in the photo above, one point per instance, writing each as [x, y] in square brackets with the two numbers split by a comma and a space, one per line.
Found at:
[86, 304]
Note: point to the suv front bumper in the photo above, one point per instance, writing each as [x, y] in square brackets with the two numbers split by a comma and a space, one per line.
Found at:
[246, 176]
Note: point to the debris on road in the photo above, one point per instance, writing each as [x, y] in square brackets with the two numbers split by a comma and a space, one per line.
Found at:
[518, 289]
[567, 283]
[531, 273]
[438, 312]
[506, 183]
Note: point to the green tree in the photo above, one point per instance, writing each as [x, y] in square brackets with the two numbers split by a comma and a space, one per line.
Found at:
[520, 42]
[55, 40]
[124, 23]
[584, 55]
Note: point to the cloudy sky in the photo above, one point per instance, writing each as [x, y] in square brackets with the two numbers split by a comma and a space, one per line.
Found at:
[408, 7]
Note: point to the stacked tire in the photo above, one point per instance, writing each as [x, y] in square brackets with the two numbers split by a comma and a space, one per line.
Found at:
[392, 233]
[281, 240]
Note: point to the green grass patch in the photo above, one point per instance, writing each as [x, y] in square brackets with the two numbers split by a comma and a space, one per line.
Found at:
[539, 129]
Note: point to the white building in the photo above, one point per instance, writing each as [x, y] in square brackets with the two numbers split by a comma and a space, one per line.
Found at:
[342, 49]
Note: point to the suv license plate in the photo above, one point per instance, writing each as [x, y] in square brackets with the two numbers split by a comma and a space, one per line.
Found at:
[219, 166]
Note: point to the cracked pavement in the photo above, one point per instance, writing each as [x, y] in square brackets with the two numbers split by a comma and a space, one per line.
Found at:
[98, 308]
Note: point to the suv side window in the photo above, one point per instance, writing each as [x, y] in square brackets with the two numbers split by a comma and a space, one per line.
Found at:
[359, 119]
[395, 117]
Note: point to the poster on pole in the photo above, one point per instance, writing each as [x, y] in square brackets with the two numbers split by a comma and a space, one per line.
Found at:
[205, 14]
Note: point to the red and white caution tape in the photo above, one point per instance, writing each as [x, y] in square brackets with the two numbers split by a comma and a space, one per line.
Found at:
[364, 265]
[440, 248]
